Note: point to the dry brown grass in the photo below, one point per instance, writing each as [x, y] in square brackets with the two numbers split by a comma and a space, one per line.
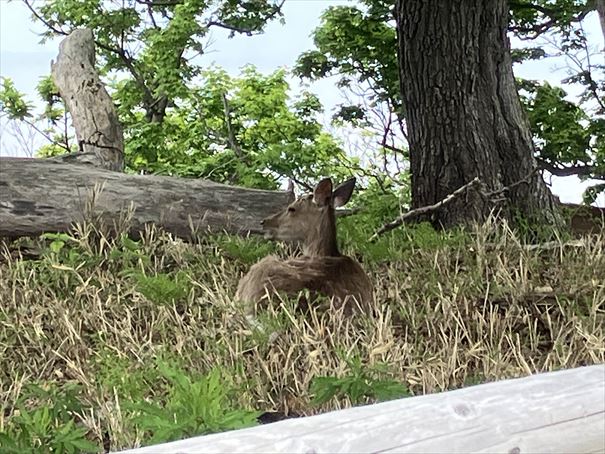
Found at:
[482, 309]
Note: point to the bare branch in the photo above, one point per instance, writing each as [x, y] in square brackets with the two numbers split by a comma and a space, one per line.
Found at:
[579, 170]
[33, 126]
[301, 183]
[246, 31]
[346, 212]
[44, 21]
[553, 18]
[390, 147]
[499, 192]
[475, 182]
[153, 3]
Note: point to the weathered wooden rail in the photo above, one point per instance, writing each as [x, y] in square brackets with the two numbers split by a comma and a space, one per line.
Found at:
[556, 412]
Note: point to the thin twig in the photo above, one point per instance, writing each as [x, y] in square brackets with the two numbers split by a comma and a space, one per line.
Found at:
[292, 178]
[390, 147]
[475, 182]
[245, 31]
[525, 180]
[494, 197]
[230, 134]
[58, 31]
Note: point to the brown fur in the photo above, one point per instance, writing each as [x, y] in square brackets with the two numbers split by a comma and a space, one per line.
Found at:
[322, 269]
[338, 277]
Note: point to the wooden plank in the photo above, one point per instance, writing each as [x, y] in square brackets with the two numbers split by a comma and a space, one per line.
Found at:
[556, 412]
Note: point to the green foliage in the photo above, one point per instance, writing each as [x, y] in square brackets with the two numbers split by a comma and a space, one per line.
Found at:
[531, 18]
[559, 124]
[527, 53]
[57, 241]
[118, 374]
[50, 150]
[12, 102]
[50, 95]
[246, 250]
[153, 42]
[531, 230]
[243, 130]
[146, 370]
[45, 419]
[378, 205]
[400, 243]
[591, 193]
[128, 253]
[565, 135]
[15, 107]
[361, 385]
[182, 120]
[178, 118]
[162, 289]
[69, 250]
[192, 406]
[359, 44]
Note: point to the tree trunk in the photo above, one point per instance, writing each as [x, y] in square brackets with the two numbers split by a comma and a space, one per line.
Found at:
[93, 113]
[463, 111]
[600, 7]
[38, 195]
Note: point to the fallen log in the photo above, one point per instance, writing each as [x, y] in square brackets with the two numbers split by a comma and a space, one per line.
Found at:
[38, 196]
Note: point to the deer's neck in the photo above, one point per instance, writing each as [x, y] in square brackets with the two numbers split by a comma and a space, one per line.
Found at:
[321, 242]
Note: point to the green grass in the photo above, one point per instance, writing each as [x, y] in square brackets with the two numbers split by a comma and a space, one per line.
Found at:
[109, 343]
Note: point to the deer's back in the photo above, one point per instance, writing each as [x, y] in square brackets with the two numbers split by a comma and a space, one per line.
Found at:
[339, 277]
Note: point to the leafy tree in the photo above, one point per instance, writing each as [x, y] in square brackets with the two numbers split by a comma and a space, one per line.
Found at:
[567, 139]
[178, 117]
[245, 130]
[358, 43]
[52, 123]
[155, 42]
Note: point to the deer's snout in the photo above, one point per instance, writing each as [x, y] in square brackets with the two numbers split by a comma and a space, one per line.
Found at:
[270, 222]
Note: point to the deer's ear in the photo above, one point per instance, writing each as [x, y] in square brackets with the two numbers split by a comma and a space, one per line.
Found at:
[322, 194]
[290, 190]
[343, 192]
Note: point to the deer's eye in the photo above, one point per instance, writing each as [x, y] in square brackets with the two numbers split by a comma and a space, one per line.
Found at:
[291, 209]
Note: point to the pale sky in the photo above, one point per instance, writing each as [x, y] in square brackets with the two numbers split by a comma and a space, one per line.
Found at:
[24, 60]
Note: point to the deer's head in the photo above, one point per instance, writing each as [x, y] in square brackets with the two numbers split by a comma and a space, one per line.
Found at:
[310, 219]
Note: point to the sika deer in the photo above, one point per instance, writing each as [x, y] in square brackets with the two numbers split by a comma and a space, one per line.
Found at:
[322, 269]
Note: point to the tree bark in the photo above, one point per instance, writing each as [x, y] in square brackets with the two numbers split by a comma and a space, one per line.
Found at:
[98, 129]
[463, 111]
[38, 195]
[600, 7]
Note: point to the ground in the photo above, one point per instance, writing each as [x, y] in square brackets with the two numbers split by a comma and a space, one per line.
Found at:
[114, 343]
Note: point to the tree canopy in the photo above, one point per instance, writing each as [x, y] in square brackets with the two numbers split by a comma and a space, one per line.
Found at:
[357, 43]
[181, 118]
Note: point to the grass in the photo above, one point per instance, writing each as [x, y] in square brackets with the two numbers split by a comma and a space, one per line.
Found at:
[114, 343]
